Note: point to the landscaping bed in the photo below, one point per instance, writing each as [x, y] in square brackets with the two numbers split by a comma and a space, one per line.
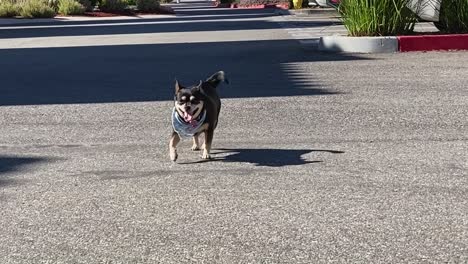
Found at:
[89, 8]
[253, 4]
[376, 26]
[128, 12]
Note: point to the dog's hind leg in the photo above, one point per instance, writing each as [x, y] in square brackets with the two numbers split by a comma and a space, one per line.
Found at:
[207, 145]
[196, 143]
[175, 139]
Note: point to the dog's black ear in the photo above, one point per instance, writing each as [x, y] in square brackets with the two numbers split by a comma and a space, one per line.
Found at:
[216, 78]
[177, 86]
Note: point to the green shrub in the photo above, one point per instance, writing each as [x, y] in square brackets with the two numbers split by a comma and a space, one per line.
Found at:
[377, 17]
[87, 4]
[147, 5]
[54, 4]
[36, 9]
[131, 2]
[92, 4]
[453, 16]
[112, 5]
[70, 7]
[8, 9]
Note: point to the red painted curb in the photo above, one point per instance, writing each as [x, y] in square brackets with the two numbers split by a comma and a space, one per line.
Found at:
[433, 42]
[252, 6]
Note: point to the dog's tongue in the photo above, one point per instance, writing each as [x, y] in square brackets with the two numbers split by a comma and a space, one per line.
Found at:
[188, 117]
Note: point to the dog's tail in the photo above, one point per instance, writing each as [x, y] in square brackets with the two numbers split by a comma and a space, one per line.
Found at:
[217, 78]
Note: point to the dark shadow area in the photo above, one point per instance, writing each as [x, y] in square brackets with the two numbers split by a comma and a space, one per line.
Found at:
[146, 26]
[10, 164]
[266, 157]
[189, 12]
[136, 73]
[105, 21]
[206, 18]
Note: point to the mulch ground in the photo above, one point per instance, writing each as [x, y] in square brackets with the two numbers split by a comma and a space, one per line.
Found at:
[128, 12]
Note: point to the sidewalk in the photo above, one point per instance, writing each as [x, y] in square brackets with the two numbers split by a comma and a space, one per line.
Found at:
[307, 26]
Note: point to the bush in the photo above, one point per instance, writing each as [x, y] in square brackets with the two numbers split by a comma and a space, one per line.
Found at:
[53, 4]
[87, 4]
[112, 5]
[147, 5]
[92, 4]
[377, 17]
[70, 7]
[8, 9]
[453, 16]
[36, 9]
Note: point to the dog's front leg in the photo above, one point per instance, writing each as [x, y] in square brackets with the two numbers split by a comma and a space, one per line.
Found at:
[207, 145]
[175, 139]
[196, 144]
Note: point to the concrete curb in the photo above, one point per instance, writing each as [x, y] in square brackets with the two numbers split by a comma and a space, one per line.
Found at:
[358, 44]
[314, 11]
[393, 44]
[58, 18]
[5, 22]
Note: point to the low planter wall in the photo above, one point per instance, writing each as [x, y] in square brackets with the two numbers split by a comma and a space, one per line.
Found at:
[394, 44]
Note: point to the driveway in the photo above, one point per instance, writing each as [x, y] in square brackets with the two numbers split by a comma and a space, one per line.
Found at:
[318, 157]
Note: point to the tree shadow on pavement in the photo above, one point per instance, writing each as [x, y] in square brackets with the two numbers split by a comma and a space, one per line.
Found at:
[12, 164]
[139, 73]
[266, 157]
[133, 27]
[205, 20]
[150, 27]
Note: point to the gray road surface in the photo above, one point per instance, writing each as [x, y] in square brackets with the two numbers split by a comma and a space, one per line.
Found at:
[318, 158]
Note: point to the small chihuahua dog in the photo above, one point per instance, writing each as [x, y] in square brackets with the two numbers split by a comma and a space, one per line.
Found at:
[196, 111]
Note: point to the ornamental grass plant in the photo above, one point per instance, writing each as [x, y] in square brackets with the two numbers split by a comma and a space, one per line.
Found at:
[36, 9]
[113, 5]
[147, 5]
[8, 8]
[453, 16]
[377, 17]
[70, 7]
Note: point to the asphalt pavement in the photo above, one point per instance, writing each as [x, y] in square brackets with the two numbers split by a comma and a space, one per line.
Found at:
[318, 158]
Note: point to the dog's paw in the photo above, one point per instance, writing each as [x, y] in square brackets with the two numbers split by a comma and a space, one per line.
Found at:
[206, 155]
[173, 155]
[195, 148]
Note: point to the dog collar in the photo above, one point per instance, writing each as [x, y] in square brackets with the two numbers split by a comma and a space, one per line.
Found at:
[185, 129]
